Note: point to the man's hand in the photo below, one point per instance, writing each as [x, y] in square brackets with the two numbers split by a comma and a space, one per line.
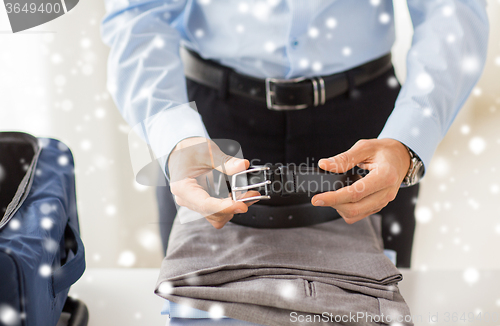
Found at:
[196, 156]
[388, 161]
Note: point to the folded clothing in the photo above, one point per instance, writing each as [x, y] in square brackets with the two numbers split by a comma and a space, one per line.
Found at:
[175, 310]
[269, 276]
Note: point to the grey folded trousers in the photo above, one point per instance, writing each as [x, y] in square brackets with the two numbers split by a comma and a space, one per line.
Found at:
[331, 273]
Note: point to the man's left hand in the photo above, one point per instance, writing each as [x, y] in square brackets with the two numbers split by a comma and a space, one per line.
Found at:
[387, 160]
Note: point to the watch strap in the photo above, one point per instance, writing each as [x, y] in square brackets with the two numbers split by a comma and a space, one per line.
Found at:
[415, 170]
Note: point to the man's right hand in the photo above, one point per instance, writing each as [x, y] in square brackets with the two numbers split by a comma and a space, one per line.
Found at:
[196, 156]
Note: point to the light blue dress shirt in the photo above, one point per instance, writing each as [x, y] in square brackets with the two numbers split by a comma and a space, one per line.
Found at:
[291, 38]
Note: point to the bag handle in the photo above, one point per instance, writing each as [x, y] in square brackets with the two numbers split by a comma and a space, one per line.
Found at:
[73, 268]
[78, 311]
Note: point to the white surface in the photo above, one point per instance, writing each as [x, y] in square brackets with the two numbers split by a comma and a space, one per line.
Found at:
[121, 297]
[125, 296]
[452, 292]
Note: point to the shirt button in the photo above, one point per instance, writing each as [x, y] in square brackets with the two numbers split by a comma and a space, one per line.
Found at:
[294, 43]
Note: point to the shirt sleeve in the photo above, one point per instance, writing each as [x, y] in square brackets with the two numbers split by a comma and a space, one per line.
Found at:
[445, 61]
[145, 73]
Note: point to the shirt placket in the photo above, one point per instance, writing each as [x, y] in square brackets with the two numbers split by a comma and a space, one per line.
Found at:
[300, 11]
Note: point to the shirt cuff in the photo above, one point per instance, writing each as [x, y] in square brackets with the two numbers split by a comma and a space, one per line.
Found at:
[169, 127]
[418, 131]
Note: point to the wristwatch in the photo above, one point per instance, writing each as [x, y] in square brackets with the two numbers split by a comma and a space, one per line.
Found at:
[415, 171]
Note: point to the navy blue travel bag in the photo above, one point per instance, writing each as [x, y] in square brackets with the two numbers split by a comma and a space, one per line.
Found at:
[41, 253]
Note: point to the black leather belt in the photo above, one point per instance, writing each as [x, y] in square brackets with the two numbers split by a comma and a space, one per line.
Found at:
[281, 94]
[285, 192]
[276, 181]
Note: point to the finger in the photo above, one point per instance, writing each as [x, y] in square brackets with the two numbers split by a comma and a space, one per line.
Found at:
[251, 193]
[367, 205]
[216, 206]
[179, 201]
[196, 198]
[373, 182]
[238, 204]
[234, 165]
[352, 220]
[359, 152]
[375, 211]
[218, 220]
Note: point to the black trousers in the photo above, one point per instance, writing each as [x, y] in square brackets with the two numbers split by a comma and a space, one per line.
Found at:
[305, 136]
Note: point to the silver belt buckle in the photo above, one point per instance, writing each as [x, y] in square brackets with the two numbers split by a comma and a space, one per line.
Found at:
[319, 95]
[235, 189]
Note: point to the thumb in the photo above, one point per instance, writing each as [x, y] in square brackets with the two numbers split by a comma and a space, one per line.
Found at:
[347, 160]
[226, 163]
[235, 165]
